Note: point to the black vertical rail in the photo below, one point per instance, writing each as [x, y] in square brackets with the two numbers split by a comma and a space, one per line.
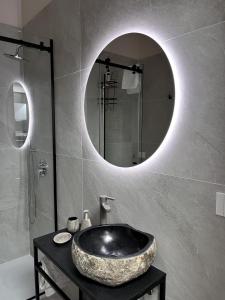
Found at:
[141, 116]
[36, 276]
[54, 134]
[162, 289]
[104, 96]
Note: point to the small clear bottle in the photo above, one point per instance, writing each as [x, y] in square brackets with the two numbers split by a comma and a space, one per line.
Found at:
[86, 222]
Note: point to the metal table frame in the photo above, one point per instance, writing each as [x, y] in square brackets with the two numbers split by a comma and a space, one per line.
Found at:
[161, 282]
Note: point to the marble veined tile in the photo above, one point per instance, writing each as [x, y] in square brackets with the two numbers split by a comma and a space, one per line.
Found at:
[181, 215]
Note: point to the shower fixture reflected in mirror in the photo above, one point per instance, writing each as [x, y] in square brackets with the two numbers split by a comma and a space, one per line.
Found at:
[129, 100]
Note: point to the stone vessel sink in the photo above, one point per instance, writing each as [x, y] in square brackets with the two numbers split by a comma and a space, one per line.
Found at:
[113, 254]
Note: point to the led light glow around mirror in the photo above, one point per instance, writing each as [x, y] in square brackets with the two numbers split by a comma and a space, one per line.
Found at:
[153, 128]
[168, 144]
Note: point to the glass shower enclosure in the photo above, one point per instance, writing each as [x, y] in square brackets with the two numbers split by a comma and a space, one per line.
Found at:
[114, 115]
[27, 175]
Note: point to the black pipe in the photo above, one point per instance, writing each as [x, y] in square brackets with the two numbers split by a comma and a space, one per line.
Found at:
[54, 134]
[107, 62]
[40, 46]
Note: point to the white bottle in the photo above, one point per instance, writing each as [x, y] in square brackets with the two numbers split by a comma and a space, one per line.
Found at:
[86, 222]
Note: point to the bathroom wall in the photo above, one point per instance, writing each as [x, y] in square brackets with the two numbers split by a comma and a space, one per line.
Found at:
[14, 224]
[173, 194]
[37, 77]
[32, 7]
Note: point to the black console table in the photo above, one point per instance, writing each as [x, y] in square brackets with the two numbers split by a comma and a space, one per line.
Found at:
[61, 257]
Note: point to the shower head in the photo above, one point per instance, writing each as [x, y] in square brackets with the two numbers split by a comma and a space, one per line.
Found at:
[13, 56]
[16, 55]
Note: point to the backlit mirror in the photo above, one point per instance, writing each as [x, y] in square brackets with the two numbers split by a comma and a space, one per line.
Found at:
[129, 100]
[18, 114]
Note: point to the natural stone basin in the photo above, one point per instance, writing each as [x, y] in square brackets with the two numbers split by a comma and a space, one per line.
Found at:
[113, 254]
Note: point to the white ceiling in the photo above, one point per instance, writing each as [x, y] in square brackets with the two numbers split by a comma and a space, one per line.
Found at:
[134, 45]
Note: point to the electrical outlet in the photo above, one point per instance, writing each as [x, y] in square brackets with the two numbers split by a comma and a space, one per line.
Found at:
[220, 204]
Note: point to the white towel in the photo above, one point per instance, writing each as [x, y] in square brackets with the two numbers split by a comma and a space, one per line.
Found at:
[136, 90]
[130, 80]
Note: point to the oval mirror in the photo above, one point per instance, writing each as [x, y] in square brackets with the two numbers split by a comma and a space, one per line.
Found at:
[18, 114]
[129, 100]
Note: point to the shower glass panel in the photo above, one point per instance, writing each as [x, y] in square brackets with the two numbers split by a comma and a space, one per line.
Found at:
[37, 76]
[121, 121]
[116, 132]
[14, 216]
[26, 196]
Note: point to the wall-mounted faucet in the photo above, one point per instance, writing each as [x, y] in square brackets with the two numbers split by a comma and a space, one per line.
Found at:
[43, 168]
[105, 208]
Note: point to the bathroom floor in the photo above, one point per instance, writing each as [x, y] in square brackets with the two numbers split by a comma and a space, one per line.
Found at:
[16, 279]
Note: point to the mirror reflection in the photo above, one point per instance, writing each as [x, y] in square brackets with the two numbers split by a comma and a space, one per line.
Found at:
[18, 114]
[129, 100]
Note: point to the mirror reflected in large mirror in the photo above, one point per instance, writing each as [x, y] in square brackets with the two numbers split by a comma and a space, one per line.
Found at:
[129, 100]
[18, 114]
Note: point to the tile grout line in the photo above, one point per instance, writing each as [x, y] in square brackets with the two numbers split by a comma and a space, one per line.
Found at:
[67, 74]
[193, 31]
[173, 176]
[72, 73]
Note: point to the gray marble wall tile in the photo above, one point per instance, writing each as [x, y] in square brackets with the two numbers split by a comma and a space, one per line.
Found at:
[102, 20]
[69, 179]
[37, 78]
[173, 18]
[37, 68]
[196, 147]
[4, 133]
[42, 111]
[41, 226]
[10, 31]
[58, 18]
[68, 115]
[65, 16]
[196, 141]
[14, 230]
[180, 213]
[13, 177]
[40, 188]
[10, 70]
[14, 225]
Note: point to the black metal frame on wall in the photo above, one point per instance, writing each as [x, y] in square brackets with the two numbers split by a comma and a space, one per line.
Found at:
[108, 62]
[50, 50]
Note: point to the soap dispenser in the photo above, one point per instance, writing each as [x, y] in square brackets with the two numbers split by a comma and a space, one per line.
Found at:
[86, 222]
